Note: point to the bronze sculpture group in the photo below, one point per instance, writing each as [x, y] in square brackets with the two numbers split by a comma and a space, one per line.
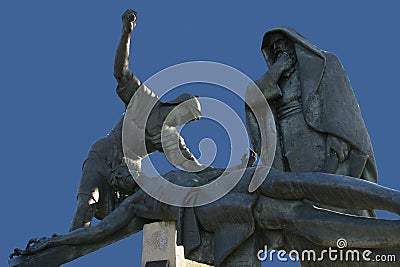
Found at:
[308, 200]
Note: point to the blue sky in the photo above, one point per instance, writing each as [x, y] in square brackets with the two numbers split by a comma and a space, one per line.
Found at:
[58, 91]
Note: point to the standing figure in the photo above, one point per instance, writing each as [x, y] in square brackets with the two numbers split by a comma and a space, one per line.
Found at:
[318, 120]
[105, 179]
[317, 116]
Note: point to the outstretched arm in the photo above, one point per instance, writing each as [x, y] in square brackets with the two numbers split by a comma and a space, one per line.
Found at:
[109, 225]
[140, 204]
[117, 220]
[127, 82]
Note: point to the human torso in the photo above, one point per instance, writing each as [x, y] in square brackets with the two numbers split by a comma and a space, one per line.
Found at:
[301, 149]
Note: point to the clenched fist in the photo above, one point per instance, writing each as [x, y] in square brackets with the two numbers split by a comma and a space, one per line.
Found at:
[129, 20]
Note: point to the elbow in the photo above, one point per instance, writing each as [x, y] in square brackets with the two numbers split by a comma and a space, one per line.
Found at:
[123, 77]
[119, 75]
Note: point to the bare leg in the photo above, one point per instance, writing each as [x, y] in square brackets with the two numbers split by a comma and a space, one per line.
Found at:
[331, 190]
[324, 227]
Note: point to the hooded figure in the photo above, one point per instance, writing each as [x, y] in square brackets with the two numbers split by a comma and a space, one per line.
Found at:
[318, 120]
[319, 123]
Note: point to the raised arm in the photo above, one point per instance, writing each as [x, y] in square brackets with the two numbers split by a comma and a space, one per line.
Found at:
[127, 82]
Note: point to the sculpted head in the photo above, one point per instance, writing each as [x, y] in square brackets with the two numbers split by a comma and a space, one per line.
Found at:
[279, 45]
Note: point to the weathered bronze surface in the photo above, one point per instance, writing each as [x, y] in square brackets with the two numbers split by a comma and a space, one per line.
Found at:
[324, 163]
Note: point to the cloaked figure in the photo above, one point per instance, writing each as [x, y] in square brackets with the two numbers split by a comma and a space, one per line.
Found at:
[318, 120]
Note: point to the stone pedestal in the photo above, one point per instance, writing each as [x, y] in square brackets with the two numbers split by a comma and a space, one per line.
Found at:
[159, 245]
